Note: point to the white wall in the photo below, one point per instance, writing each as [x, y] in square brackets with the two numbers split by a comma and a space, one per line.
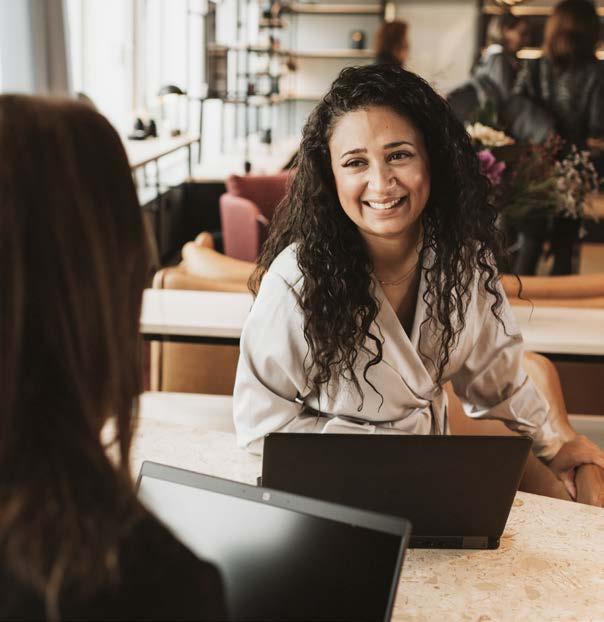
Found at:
[16, 50]
[442, 36]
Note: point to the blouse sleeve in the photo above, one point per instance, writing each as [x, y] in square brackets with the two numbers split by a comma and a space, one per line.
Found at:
[493, 381]
[271, 379]
[270, 374]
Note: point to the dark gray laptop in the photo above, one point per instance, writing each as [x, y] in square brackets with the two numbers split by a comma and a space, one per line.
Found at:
[281, 556]
[456, 491]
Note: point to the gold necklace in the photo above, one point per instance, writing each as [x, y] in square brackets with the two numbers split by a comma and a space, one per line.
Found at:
[400, 279]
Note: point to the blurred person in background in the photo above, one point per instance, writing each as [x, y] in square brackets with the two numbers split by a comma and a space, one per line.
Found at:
[392, 43]
[561, 92]
[495, 73]
[498, 65]
[75, 543]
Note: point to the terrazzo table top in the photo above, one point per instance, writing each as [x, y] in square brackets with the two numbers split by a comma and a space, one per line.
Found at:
[550, 565]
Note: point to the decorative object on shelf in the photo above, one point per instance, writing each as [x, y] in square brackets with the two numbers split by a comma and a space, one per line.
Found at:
[272, 9]
[290, 63]
[274, 90]
[142, 130]
[139, 131]
[357, 40]
[170, 95]
[274, 43]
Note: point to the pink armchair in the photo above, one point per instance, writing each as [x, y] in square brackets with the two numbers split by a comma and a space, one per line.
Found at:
[246, 210]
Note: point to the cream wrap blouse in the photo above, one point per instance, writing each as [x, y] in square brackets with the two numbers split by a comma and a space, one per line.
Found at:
[486, 370]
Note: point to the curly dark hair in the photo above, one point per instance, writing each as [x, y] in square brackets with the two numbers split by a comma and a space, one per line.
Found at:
[458, 221]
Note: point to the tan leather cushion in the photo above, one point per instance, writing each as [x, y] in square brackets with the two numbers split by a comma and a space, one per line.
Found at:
[576, 286]
[192, 368]
[596, 302]
[215, 270]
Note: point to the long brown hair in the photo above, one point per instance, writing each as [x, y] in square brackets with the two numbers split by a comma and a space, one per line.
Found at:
[73, 264]
[571, 33]
[459, 222]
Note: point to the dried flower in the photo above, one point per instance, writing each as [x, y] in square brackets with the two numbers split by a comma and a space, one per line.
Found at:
[490, 167]
[576, 182]
[487, 136]
[537, 183]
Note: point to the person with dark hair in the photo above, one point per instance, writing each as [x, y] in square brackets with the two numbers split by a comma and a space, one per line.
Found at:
[378, 284]
[499, 65]
[74, 259]
[392, 43]
[495, 73]
[565, 86]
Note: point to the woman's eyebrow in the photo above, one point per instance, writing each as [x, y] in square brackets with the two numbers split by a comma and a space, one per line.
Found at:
[398, 143]
[352, 151]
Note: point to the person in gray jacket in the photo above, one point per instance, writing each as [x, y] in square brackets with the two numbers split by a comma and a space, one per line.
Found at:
[494, 75]
[562, 92]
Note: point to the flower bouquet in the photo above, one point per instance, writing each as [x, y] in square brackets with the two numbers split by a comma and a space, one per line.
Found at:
[532, 182]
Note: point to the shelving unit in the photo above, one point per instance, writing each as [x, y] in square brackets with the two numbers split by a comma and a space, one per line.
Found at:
[324, 8]
[267, 96]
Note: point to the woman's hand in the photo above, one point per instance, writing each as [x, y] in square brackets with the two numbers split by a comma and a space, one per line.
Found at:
[572, 455]
[590, 485]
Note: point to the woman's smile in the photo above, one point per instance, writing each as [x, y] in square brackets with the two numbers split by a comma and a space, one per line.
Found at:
[385, 204]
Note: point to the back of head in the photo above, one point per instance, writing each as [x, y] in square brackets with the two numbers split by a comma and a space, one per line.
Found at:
[389, 39]
[571, 34]
[498, 24]
[73, 263]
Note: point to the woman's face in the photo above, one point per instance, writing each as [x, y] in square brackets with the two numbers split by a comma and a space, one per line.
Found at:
[515, 38]
[380, 165]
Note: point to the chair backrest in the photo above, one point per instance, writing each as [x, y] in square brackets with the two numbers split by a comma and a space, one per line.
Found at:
[265, 191]
[246, 210]
[192, 368]
[243, 227]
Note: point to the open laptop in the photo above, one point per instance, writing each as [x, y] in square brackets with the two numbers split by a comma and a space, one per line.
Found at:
[281, 556]
[456, 491]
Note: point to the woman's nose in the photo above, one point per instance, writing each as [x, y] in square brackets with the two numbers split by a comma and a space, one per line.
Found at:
[381, 178]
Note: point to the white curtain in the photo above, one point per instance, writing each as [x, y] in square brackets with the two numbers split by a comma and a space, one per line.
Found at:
[33, 47]
[51, 74]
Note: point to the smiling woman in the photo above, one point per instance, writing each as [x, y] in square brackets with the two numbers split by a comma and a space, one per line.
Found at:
[378, 284]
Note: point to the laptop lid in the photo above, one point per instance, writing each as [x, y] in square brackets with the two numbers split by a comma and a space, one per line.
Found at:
[281, 556]
[456, 491]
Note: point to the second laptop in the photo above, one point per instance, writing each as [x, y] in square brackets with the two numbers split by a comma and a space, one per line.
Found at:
[457, 491]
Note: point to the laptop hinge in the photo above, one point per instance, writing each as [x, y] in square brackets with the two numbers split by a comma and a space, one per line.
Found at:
[475, 542]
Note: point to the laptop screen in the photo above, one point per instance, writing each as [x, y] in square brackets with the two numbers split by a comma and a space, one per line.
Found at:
[281, 563]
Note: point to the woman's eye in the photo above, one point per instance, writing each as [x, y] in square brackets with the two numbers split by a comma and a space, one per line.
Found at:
[400, 155]
[354, 163]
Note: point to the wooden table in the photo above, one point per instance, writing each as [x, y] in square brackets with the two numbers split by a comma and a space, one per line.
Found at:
[218, 317]
[194, 316]
[151, 150]
[563, 333]
[143, 152]
[550, 565]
